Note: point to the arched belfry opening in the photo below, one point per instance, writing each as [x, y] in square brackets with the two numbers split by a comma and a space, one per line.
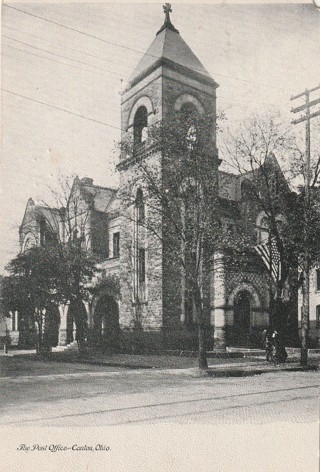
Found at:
[140, 125]
[189, 112]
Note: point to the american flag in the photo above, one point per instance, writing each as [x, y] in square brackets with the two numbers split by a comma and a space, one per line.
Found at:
[272, 259]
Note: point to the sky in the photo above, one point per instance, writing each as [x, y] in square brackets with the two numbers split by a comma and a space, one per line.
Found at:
[260, 55]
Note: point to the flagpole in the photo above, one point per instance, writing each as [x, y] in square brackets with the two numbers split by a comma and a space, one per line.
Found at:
[271, 304]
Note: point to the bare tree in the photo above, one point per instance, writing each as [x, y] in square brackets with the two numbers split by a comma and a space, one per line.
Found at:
[306, 170]
[251, 151]
[183, 212]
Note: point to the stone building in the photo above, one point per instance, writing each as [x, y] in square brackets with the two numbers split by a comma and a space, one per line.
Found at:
[314, 325]
[152, 308]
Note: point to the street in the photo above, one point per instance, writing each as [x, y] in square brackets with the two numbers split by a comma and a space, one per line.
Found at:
[70, 416]
[53, 394]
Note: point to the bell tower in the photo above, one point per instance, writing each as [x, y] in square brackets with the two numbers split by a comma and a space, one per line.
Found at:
[167, 78]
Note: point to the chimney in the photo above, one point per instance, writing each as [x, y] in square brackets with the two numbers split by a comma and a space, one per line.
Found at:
[86, 181]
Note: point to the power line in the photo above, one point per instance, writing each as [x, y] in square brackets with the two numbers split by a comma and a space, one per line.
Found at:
[235, 103]
[50, 60]
[55, 42]
[12, 57]
[59, 55]
[95, 56]
[61, 109]
[132, 49]
[49, 52]
[74, 29]
[37, 55]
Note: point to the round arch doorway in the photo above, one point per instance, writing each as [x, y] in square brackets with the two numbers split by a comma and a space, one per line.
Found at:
[51, 326]
[242, 317]
[106, 323]
[76, 311]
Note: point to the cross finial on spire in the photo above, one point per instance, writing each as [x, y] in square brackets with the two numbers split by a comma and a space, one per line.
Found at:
[167, 10]
[167, 22]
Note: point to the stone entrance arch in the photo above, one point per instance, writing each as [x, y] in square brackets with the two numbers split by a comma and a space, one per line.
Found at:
[245, 303]
[51, 326]
[76, 310]
[242, 313]
[106, 323]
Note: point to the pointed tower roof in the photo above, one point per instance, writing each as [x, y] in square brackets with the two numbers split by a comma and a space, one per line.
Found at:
[170, 49]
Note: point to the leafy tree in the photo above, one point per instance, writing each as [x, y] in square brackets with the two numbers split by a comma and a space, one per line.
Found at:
[60, 268]
[31, 289]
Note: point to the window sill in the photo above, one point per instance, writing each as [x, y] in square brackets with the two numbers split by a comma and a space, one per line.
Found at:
[112, 258]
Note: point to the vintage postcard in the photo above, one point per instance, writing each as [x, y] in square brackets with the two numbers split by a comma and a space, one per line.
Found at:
[160, 237]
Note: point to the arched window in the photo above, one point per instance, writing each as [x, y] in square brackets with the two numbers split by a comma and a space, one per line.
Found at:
[28, 242]
[139, 249]
[281, 223]
[318, 280]
[189, 117]
[263, 229]
[274, 185]
[140, 125]
[140, 207]
[191, 136]
[318, 316]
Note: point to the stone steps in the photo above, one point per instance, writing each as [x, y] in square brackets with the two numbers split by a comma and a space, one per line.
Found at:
[68, 347]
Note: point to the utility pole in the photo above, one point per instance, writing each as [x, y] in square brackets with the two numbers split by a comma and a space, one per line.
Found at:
[306, 107]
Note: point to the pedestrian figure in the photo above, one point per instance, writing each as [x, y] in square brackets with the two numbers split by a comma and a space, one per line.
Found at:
[267, 343]
[280, 354]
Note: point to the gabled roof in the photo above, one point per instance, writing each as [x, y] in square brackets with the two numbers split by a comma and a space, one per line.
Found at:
[33, 214]
[101, 195]
[230, 184]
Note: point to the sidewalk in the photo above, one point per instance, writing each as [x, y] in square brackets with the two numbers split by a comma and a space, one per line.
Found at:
[251, 363]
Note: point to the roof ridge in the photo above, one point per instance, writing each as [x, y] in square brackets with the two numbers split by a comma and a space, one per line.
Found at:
[99, 186]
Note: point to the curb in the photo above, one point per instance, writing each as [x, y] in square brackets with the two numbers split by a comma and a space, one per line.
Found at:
[253, 372]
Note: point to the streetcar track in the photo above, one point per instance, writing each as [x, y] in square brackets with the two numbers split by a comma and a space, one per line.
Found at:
[176, 402]
[193, 413]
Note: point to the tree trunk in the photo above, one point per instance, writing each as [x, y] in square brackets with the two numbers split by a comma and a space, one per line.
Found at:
[203, 363]
[81, 338]
[39, 337]
[305, 315]
[202, 354]
[81, 330]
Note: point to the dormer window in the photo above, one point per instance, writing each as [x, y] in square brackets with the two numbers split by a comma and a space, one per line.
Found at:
[140, 125]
